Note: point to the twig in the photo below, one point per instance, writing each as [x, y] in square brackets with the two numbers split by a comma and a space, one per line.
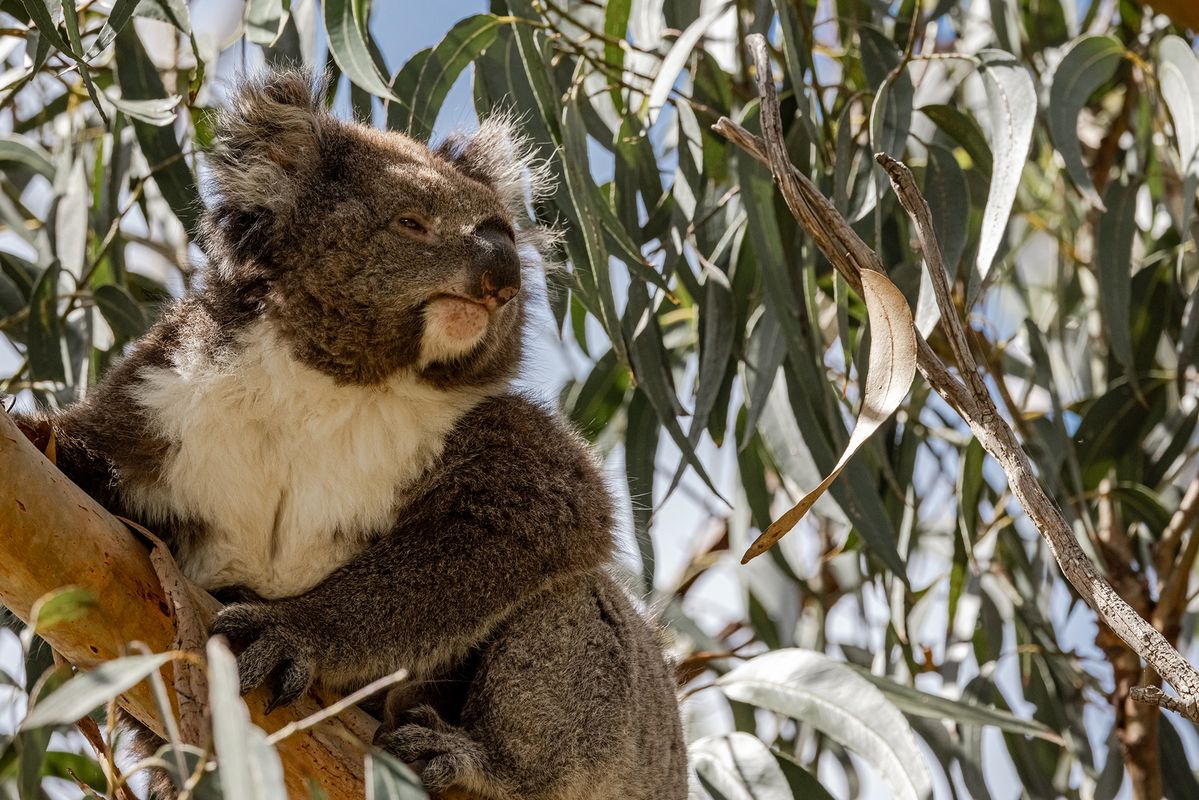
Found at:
[850, 255]
[338, 707]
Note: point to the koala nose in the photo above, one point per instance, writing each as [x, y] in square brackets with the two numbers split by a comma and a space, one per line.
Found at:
[495, 263]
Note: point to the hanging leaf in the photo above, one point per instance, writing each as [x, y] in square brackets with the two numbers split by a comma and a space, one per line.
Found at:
[1012, 108]
[812, 688]
[422, 91]
[892, 366]
[120, 311]
[43, 345]
[676, 58]
[265, 20]
[1113, 256]
[1090, 62]
[348, 46]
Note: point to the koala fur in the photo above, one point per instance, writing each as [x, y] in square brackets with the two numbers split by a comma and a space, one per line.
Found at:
[326, 426]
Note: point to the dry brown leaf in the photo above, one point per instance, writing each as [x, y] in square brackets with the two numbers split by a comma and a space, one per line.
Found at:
[892, 366]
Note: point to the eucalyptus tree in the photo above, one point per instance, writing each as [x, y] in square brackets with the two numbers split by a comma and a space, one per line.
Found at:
[912, 633]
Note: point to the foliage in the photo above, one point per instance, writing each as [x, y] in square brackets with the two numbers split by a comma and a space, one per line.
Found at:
[913, 630]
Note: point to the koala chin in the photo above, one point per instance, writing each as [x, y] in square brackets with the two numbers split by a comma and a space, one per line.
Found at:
[325, 429]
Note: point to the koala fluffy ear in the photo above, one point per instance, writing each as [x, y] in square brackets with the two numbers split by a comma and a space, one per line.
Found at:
[269, 141]
[498, 155]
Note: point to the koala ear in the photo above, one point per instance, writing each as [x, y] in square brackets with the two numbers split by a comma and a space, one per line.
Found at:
[498, 155]
[269, 140]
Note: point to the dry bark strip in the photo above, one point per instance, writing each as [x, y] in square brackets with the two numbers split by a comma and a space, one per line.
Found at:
[52, 534]
[849, 254]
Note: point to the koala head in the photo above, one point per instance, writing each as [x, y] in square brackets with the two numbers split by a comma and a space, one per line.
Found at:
[370, 252]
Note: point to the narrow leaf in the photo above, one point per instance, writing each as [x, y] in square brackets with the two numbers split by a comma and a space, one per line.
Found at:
[892, 366]
[1113, 256]
[1178, 76]
[249, 767]
[86, 692]
[1090, 62]
[676, 58]
[1012, 106]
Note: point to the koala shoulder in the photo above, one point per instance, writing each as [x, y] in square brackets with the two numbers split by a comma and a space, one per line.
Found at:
[510, 456]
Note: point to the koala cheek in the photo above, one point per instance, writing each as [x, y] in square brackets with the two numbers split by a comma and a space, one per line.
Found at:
[453, 327]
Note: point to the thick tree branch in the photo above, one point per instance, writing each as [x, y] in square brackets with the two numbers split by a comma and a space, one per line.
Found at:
[52, 535]
[849, 255]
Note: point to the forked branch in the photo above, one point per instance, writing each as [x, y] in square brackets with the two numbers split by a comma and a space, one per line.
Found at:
[850, 255]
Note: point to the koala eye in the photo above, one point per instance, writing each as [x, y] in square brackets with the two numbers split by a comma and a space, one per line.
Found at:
[412, 224]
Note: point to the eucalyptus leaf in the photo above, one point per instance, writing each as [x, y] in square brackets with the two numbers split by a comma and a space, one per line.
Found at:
[834, 699]
[738, 766]
[1090, 62]
[1012, 108]
[87, 691]
[249, 766]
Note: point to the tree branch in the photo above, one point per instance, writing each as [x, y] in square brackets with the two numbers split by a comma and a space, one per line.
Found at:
[849, 255]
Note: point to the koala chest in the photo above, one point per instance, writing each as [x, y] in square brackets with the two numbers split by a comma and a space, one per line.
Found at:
[287, 473]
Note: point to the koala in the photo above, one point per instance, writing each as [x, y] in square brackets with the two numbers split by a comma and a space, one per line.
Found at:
[326, 430]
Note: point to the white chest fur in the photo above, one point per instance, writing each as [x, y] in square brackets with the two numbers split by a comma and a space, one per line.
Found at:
[289, 472]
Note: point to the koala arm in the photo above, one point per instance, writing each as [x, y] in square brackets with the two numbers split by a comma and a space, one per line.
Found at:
[516, 504]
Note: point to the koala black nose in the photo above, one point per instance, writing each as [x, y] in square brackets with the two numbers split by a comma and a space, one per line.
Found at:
[495, 264]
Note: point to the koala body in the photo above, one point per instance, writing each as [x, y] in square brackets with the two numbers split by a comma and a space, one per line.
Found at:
[326, 427]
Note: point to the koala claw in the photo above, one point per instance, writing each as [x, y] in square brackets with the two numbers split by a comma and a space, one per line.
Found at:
[267, 653]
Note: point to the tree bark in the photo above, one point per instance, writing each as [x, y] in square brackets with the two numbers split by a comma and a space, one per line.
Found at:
[52, 535]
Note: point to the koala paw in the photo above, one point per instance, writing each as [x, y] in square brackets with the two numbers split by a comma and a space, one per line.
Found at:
[269, 650]
[443, 756]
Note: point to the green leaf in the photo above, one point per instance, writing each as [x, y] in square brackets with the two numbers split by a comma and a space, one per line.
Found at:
[738, 766]
[265, 20]
[1012, 107]
[348, 45]
[802, 782]
[72, 766]
[249, 767]
[39, 12]
[964, 130]
[640, 450]
[812, 688]
[1178, 777]
[87, 691]
[120, 311]
[157, 112]
[11, 299]
[1090, 62]
[948, 196]
[61, 605]
[389, 779]
[17, 149]
[139, 81]
[1178, 76]
[616, 26]
[1113, 257]
[439, 68]
[911, 700]
[676, 58]
[118, 18]
[43, 347]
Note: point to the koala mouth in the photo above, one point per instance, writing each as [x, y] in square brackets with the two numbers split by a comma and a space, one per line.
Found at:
[453, 326]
